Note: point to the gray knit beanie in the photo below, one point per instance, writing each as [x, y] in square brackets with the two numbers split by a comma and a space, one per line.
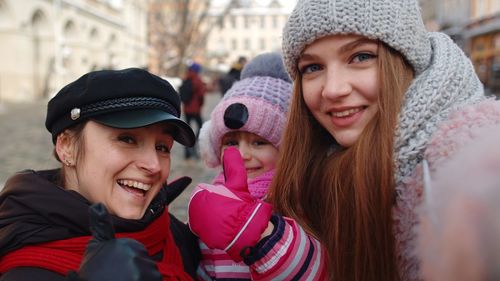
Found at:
[397, 23]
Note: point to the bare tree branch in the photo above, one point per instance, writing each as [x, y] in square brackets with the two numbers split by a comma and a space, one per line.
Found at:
[178, 31]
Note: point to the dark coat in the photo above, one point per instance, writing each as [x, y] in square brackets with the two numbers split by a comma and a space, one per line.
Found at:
[195, 104]
[33, 209]
[227, 81]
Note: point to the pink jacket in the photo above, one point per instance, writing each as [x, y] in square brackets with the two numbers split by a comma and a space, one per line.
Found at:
[459, 130]
[289, 253]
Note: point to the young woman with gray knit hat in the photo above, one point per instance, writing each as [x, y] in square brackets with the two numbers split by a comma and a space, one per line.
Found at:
[240, 237]
[375, 96]
[113, 131]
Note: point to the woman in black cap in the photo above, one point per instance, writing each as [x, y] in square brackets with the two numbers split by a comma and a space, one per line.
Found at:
[113, 132]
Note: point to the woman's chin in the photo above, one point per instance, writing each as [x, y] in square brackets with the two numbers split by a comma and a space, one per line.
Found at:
[130, 213]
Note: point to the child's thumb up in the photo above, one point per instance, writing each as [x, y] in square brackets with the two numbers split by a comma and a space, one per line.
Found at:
[235, 173]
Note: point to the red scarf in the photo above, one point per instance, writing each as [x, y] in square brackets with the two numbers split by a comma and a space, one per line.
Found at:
[64, 255]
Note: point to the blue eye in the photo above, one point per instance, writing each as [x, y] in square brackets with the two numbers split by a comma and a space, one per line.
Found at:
[310, 68]
[362, 57]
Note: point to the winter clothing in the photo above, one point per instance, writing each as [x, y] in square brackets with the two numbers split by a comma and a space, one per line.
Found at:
[274, 257]
[238, 223]
[258, 103]
[195, 104]
[445, 81]
[192, 109]
[451, 136]
[195, 67]
[462, 198]
[396, 23]
[226, 81]
[448, 84]
[128, 98]
[40, 219]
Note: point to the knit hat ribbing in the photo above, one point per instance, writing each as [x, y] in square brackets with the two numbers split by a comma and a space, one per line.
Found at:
[397, 23]
[265, 90]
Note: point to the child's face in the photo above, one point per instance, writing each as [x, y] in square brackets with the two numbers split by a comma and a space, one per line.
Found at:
[258, 154]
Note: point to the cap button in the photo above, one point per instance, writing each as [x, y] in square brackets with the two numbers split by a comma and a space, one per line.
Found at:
[75, 113]
[235, 116]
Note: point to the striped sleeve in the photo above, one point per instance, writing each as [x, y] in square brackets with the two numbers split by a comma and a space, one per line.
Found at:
[289, 253]
[218, 265]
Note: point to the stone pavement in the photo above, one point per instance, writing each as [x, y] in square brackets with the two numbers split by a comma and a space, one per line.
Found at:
[25, 143]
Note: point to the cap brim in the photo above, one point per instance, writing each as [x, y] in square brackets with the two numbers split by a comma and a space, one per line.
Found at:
[137, 118]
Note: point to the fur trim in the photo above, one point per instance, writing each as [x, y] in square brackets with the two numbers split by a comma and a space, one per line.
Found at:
[207, 151]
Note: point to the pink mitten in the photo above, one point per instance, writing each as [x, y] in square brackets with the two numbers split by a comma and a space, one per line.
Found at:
[228, 217]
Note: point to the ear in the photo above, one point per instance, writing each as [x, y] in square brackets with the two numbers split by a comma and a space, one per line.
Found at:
[65, 148]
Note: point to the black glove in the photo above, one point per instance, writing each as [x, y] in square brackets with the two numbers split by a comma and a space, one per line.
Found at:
[108, 258]
[175, 188]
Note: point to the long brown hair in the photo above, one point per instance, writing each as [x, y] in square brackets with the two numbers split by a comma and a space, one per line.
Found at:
[344, 197]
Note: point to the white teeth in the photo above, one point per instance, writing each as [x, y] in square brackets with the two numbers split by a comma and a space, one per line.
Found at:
[346, 112]
[135, 184]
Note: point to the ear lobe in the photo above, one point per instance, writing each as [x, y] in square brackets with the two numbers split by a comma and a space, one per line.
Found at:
[64, 147]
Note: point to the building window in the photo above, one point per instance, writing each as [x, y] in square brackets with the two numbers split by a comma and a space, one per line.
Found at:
[262, 43]
[233, 21]
[69, 30]
[275, 21]
[234, 44]
[248, 45]
[220, 22]
[481, 8]
[112, 40]
[496, 41]
[246, 22]
[94, 35]
[262, 22]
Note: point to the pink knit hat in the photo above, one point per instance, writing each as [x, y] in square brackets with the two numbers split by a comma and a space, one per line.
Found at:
[258, 103]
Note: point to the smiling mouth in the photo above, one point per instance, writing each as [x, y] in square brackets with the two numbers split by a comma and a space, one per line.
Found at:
[134, 187]
[346, 113]
[251, 170]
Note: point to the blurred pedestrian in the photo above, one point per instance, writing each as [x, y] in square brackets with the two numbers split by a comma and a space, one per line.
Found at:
[113, 132]
[232, 76]
[193, 107]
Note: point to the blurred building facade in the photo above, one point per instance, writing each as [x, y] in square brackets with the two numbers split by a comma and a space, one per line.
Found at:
[246, 28]
[483, 34]
[475, 26]
[48, 43]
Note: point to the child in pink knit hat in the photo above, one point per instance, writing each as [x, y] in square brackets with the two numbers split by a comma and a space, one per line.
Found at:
[256, 104]
[250, 117]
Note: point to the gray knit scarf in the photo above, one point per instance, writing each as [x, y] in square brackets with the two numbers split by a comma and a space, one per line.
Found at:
[449, 83]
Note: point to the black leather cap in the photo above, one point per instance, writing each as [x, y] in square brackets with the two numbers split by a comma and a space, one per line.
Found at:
[128, 98]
